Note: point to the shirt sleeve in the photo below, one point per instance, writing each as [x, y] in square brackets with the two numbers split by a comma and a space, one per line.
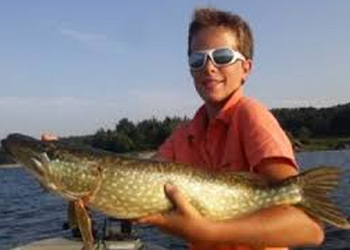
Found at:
[262, 136]
[167, 150]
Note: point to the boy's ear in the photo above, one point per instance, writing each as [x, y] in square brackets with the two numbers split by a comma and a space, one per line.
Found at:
[247, 68]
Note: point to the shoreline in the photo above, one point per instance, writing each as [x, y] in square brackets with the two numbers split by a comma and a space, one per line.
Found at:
[14, 165]
[305, 148]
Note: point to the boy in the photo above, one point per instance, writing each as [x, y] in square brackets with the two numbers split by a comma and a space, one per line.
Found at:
[234, 132]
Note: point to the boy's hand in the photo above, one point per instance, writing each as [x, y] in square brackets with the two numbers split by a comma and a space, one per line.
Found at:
[184, 221]
[49, 137]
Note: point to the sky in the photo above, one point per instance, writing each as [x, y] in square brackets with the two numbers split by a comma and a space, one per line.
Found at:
[73, 67]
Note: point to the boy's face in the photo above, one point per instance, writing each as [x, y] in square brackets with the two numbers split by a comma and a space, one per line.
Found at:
[216, 84]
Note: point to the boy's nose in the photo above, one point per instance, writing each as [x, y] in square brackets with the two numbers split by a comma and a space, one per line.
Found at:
[209, 65]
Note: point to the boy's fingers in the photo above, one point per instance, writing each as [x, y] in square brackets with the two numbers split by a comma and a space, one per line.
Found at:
[154, 219]
[179, 201]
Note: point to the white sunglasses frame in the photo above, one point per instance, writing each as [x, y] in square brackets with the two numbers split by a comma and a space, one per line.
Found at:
[209, 53]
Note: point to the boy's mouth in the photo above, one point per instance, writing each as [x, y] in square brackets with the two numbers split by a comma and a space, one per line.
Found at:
[211, 83]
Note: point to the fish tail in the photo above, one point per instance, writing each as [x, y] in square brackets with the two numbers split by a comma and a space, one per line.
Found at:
[316, 185]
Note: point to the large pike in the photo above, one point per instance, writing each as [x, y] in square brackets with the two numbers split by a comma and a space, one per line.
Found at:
[129, 188]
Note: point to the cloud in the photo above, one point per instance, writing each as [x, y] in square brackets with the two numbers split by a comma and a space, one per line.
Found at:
[75, 116]
[163, 102]
[83, 37]
[62, 115]
[29, 102]
[169, 96]
[92, 40]
[69, 115]
[316, 102]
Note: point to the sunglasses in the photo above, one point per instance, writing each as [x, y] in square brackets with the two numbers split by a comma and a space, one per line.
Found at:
[219, 56]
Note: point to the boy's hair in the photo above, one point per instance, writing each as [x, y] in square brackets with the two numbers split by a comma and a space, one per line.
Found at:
[210, 17]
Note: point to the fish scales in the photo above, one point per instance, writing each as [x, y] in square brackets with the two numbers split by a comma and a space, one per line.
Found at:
[131, 188]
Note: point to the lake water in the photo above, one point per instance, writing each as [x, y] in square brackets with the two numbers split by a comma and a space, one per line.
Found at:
[28, 214]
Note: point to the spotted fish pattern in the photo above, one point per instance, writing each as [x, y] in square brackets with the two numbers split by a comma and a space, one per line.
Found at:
[125, 187]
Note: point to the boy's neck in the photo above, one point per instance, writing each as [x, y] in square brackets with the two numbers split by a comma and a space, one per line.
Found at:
[214, 108]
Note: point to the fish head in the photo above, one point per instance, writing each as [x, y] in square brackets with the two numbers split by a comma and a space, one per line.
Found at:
[28, 151]
[57, 168]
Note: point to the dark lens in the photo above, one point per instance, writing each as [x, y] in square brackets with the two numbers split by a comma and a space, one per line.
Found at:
[196, 60]
[223, 56]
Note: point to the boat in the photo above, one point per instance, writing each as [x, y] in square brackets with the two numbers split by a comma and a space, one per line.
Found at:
[62, 243]
[115, 235]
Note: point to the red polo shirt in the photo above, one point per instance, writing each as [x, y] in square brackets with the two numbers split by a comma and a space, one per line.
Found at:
[239, 138]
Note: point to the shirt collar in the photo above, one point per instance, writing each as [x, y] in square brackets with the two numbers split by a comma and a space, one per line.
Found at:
[225, 113]
[198, 125]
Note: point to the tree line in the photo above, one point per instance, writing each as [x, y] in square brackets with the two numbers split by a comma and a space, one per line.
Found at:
[148, 134]
[125, 137]
[315, 122]
[128, 136]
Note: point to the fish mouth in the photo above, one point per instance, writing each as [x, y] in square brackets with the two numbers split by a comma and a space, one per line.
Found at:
[26, 150]
[14, 142]
[7, 147]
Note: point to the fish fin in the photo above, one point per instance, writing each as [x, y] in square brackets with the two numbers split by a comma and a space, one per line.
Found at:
[84, 223]
[72, 219]
[316, 184]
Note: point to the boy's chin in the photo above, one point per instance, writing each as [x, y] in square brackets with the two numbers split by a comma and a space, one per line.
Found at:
[215, 100]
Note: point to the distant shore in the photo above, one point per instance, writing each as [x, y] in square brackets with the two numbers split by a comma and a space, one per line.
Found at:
[323, 144]
[15, 165]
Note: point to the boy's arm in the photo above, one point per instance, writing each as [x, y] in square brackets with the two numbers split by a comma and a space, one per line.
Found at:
[276, 226]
